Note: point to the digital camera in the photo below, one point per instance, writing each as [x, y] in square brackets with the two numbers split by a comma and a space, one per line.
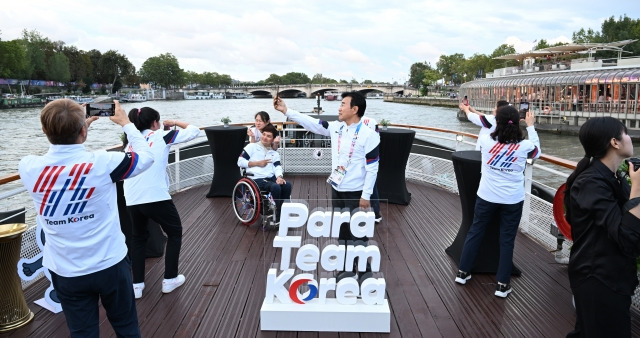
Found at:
[635, 161]
[101, 109]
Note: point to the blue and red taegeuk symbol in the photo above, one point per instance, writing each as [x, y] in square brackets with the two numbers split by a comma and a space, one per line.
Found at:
[293, 291]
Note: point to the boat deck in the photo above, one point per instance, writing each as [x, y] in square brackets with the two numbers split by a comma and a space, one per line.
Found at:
[226, 263]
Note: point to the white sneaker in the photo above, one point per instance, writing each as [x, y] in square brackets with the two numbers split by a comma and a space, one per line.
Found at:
[137, 290]
[169, 285]
[378, 219]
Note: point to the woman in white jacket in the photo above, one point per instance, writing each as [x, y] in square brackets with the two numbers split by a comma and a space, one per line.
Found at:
[148, 197]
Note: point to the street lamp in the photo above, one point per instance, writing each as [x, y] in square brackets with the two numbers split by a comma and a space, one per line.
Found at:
[318, 108]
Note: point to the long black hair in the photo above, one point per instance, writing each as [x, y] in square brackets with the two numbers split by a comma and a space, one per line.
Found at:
[507, 126]
[142, 118]
[595, 136]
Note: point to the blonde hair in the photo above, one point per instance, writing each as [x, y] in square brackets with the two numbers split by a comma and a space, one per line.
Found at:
[62, 121]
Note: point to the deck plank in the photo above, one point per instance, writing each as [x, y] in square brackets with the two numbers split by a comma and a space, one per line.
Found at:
[226, 263]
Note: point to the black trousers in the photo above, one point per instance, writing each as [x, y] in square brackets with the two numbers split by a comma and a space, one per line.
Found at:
[600, 312]
[80, 295]
[165, 214]
[349, 200]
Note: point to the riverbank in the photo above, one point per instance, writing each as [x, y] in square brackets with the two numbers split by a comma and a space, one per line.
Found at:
[426, 100]
[547, 124]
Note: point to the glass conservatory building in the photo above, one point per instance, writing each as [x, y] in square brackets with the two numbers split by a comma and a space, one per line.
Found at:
[568, 93]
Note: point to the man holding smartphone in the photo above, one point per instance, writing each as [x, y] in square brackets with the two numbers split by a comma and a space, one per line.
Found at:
[74, 193]
[354, 155]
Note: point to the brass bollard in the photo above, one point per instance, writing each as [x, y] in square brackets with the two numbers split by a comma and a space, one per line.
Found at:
[14, 311]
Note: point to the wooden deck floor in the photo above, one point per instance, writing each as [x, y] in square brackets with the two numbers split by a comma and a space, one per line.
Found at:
[226, 263]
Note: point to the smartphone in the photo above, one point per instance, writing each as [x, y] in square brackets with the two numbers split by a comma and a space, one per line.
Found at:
[100, 109]
[465, 101]
[275, 100]
[524, 108]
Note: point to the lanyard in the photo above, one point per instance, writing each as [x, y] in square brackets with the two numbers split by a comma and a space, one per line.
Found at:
[353, 142]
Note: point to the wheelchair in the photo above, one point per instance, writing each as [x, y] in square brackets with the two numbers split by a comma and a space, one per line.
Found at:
[251, 205]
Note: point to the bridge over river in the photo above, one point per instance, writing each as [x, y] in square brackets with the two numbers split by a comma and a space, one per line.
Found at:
[312, 90]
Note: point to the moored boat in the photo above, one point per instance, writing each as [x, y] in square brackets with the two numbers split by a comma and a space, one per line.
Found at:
[331, 96]
[236, 95]
[567, 92]
[79, 99]
[15, 101]
[202, 95]
[136, 98]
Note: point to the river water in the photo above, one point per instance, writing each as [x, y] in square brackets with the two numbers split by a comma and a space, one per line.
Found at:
[23, 133]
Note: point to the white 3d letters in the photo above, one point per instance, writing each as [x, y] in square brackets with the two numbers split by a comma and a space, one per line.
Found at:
[325, 227]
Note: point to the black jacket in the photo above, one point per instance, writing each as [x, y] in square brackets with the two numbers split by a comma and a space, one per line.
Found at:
[606, 240]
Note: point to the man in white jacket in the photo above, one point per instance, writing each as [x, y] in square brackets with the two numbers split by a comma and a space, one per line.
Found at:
[354, 155]
[74, 194]
[263, 163]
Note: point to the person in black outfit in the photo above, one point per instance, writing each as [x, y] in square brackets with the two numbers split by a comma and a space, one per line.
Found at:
[604, 215]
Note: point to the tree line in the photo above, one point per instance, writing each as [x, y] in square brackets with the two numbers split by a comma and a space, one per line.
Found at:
[35, 57]
[456, 69]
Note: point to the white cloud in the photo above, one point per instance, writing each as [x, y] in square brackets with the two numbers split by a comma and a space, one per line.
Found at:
[372, 39]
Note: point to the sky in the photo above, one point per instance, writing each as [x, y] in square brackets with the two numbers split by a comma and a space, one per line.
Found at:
[362, 40]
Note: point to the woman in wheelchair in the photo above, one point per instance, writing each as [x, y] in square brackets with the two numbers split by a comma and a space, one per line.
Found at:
[263, 163]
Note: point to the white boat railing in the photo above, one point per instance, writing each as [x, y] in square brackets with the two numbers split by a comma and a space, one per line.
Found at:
[536, 222]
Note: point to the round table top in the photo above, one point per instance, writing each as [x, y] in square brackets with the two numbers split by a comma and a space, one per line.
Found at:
[467, 155]
[223, 128]
[397, 131]
[12, 229]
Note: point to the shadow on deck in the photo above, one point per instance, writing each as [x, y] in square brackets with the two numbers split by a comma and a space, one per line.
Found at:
[226, 264]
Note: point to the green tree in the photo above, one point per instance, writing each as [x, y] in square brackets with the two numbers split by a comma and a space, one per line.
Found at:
[624, 28]
[192, 78]
[36, 59]
[162, 70]
[80, 65]
[94, 56]
[295, 78]
[318, 79]
[225, 80]
[115, 68]
[58, 69]
[429, 78]
[451, 67]
[503, 49]
[542, 43]
[273, 79]
[476, 66]
[13, 61]
[416, 73]
[582, 36]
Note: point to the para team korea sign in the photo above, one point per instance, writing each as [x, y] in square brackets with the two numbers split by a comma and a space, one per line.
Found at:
[324, 304]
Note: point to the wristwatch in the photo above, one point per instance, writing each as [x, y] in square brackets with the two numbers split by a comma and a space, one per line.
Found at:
[632, 203]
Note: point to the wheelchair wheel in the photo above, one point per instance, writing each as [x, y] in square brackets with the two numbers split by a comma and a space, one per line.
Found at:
[246, 201]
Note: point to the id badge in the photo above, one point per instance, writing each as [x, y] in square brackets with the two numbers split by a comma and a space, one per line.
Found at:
[337, 176]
